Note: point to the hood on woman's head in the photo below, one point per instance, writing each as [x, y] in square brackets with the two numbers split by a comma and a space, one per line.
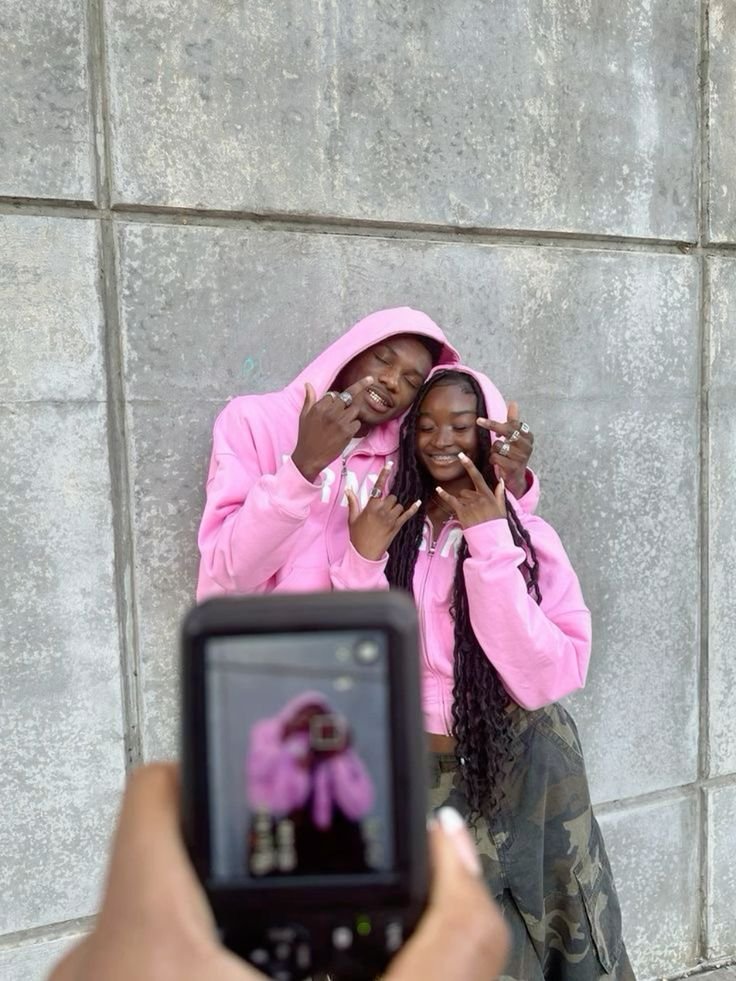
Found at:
[495, 404]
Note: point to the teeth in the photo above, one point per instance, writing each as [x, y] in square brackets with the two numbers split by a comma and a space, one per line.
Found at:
[375, 397]
[445, 457]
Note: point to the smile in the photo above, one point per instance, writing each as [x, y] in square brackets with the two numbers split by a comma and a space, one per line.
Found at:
[443, 457]
[377, 399]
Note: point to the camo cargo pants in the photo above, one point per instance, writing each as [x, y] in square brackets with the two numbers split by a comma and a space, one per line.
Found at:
[543, 855]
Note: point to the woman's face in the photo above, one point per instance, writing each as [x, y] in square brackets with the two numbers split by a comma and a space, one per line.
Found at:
[445, 427]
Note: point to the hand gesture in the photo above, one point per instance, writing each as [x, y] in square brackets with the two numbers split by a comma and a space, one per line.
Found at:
[510, 453]
[473, 507]
[326, 427]
[374, 528]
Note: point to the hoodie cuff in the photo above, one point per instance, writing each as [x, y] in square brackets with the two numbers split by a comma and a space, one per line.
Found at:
[488, 538]
[355, 571]
[293, 487]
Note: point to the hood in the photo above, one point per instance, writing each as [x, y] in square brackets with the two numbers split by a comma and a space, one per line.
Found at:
[495, 404]
[370, 330]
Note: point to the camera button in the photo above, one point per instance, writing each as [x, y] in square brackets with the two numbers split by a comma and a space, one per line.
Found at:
[303, 957]
[282, 951]
[342, 938]
[259, 957]
[394, 936]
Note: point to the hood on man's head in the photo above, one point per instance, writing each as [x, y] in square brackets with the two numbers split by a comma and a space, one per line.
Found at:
[373, 329]
[495, 404]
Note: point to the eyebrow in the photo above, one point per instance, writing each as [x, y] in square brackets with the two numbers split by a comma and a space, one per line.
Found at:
[462, 412]
[411, 371]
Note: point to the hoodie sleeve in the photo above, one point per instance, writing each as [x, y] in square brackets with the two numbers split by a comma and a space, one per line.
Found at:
[541, 651]
[529, 500]
[354, 571]
[251, 520]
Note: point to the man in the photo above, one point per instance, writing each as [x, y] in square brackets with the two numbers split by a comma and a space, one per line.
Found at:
[275, 518]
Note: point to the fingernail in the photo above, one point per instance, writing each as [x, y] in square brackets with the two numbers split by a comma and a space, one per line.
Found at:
[481, 419]
[456, 830]
[462, 456]
[369, 378]
[389, 464]
[418, 504]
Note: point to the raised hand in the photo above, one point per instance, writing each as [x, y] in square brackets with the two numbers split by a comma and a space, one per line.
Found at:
[373, 528]
[473, 507]
[510, 453]
[326, 427]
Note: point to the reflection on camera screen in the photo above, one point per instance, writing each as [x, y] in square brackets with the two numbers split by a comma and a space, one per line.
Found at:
[299, 755]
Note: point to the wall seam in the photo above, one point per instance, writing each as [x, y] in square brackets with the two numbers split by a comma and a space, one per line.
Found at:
[117, 432]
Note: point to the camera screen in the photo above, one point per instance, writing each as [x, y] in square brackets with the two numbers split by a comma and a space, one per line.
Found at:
[298, 755]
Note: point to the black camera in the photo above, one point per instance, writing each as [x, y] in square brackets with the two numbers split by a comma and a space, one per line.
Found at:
[304, 777]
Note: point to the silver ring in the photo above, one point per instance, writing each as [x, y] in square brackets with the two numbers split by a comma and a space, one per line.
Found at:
[505, 449]
[514, 436]
[333, 395]
[346, 397]
[523, 427]
[376, 492]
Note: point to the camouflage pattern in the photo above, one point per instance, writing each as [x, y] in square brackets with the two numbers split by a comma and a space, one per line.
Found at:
[543, 855]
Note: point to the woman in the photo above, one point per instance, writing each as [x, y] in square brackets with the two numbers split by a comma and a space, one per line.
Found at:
[505, 634]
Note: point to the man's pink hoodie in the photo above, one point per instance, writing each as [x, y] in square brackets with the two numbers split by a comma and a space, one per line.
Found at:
[265, 527]
[540, 651]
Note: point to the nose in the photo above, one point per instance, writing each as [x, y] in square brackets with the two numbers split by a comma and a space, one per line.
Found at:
[444, 438]
[390, 378]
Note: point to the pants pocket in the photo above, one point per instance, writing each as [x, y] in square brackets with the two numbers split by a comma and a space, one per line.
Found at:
[602, 910]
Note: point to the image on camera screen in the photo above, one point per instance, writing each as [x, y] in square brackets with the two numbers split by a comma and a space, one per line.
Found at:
[298, 755]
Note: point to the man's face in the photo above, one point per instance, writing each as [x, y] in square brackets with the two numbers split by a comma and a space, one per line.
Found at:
[399, 366]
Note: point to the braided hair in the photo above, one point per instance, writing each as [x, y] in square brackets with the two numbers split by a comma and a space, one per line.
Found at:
[480, 723]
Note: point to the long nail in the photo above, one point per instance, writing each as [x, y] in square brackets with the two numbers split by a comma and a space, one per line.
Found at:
[456, 830]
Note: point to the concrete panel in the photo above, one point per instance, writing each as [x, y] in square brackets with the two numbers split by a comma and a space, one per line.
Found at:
[722, 518]
[620, 485]
[61, 719]
[46, 135]
[722, 111]
[654, 854]
[722, 872]
[615, 332]
[33, 961]
[50, 316]
[170, 447]
[586, 122]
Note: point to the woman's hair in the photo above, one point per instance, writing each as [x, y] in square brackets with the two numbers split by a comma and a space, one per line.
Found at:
[480, 723]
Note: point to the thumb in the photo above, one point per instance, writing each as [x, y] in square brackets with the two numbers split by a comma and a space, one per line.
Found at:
[500, 495]
[513, 411]
[310, 397]
[353, 506]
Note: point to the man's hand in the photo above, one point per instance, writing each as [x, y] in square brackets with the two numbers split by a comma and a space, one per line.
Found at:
[510, 464]
[473, 507]
[326, 427]
[156, 925]
[373, 528]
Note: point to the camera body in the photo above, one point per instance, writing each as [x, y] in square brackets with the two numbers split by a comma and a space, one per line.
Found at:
[304, 777]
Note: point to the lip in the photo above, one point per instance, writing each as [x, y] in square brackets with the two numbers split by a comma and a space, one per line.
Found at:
[385, 405]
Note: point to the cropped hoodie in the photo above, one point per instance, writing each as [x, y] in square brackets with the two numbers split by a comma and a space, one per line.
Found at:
[266, 528]
[540, 651]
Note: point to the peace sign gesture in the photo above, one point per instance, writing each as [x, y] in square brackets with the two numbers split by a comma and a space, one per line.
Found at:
[473, 507]
[374, 528]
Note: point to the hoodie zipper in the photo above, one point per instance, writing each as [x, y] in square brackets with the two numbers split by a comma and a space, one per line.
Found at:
[432, 546]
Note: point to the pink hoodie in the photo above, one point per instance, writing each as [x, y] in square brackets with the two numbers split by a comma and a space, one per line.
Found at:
[540, 651]
[265, 527]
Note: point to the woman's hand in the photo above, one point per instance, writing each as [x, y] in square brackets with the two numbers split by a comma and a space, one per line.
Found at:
[511, 452]
[374, 528]
[473, 507]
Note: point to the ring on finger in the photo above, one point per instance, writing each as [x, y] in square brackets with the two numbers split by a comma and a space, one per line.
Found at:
[346, 397]
[514, 436]
[376, 492]
[333, 395]
[505, 449]
[524, 428]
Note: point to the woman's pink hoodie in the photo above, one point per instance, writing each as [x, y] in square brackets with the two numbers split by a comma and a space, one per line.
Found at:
[265, 527]
[540, 651]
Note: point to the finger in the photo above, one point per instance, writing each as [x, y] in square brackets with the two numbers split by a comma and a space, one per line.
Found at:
[357, 389]
[495, 426]
[383, 476]
[462, 935]
[517, 451]
[353, 506]
[452, 502]
[310, 397]
[500, 495]
[512, 413]
[408, 514]
[474, 473]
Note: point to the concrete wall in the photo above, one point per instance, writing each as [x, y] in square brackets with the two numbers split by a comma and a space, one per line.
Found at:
[197, 197]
